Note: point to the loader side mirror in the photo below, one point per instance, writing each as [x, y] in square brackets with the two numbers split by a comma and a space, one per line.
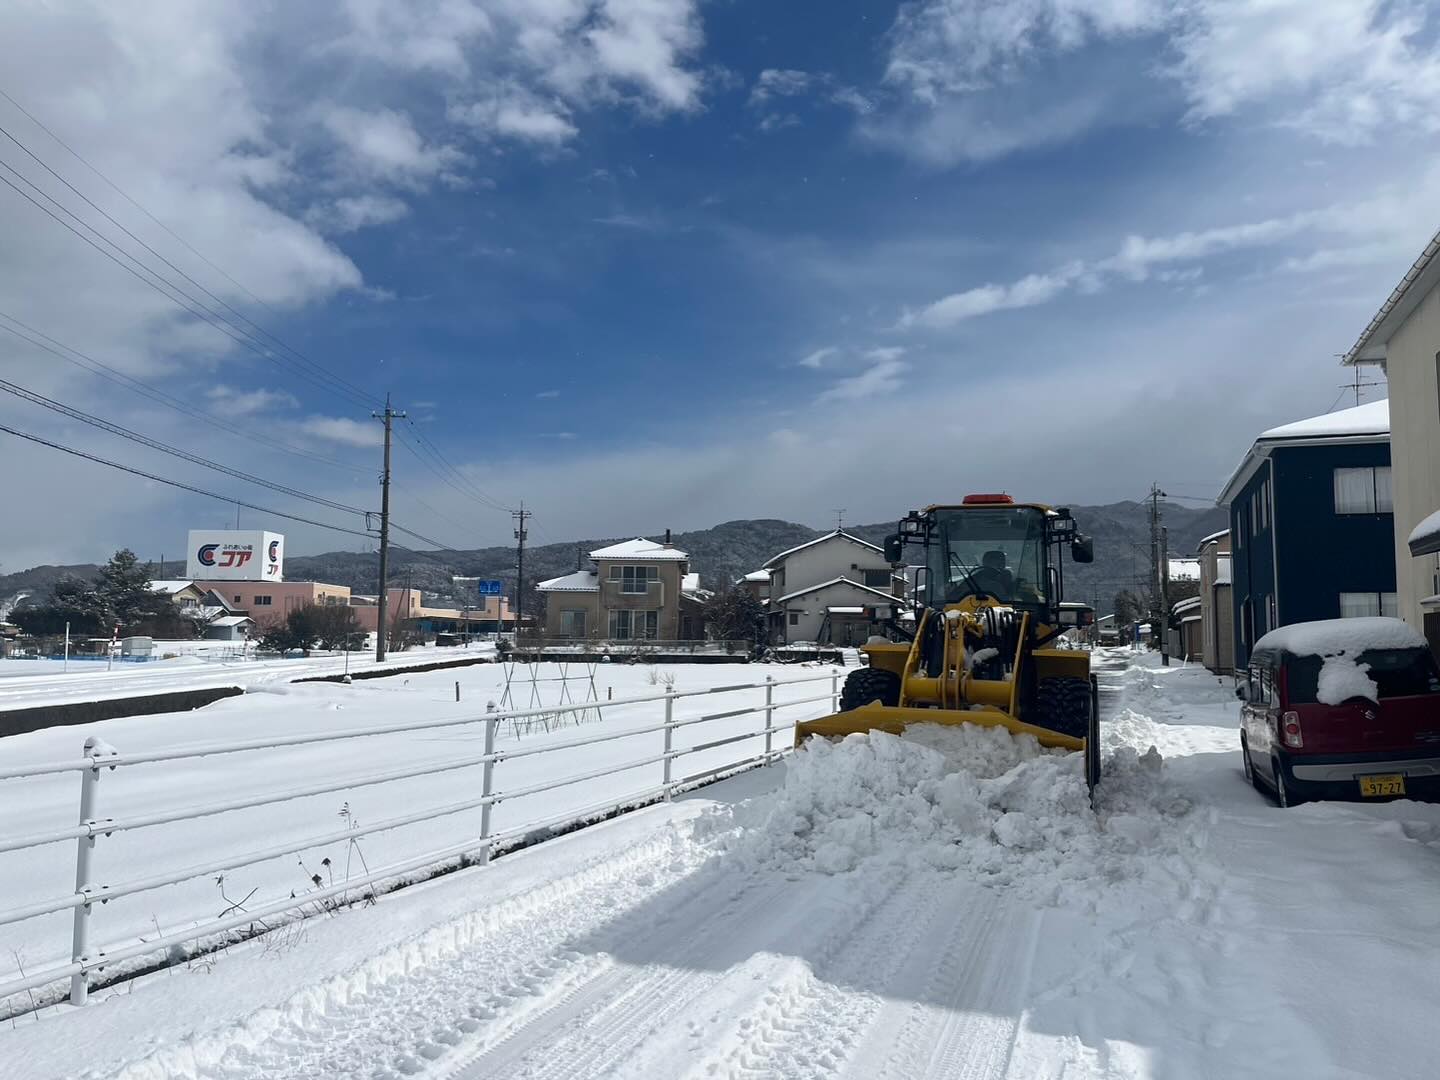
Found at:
[1082, 549]
[894, 549]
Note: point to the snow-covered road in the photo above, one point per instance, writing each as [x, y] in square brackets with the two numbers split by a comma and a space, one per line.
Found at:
[938, 906]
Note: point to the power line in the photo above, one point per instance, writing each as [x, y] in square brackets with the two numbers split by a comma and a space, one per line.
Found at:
[176, 483]
[165, 448]
[337, 380]
[144, 389]
[164, 287]
[446, 472]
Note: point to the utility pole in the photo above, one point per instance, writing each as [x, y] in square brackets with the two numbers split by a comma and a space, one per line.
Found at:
[381, 630]
[1165, 595]
[520, 516]
[1156, 579]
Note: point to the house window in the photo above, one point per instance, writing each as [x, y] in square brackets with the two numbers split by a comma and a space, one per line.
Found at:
[634, 579]
[876, 579]
[1364, 491]
[1240, 527]
[794, 618]
[572, 623]
[1359, 605]
[262, 601]
[634, 625]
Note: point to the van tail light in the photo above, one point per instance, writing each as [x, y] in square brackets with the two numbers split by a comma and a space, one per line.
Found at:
[1290, 729]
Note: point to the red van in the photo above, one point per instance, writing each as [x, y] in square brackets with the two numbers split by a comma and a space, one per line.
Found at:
[1341, 709]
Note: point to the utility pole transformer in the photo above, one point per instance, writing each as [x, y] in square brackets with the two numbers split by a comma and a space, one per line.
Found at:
[387, 416]
[520, 516]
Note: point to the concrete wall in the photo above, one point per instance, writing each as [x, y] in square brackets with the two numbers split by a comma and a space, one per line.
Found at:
[284, 596]
[1410, 367]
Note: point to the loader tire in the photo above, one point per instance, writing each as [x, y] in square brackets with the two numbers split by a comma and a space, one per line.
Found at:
[1065, 706]
[864, 685]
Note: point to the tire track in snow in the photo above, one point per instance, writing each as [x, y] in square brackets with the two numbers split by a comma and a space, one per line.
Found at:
[410, 1005]
[954, 1011]
[811, 1020]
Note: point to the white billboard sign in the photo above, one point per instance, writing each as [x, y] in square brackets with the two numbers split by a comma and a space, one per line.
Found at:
[235, 555]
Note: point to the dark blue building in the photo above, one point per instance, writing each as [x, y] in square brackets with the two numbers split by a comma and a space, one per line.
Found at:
[1312, 524]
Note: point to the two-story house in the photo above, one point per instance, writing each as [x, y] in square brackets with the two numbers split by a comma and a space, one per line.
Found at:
[639, 590]
[1217, 613]
[826, 589]
[1311, 524]
[1403, 338]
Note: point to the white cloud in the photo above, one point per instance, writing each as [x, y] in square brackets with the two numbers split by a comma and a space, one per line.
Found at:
[881, 378]
[543, 394]
[564, 436]
[886, 352]
[780, 82]
[516, 113]
[235, 402]
[349, 213]
[978, 79]
[778, 122]
[343, 431]
[385, 144]
[1029, 291]
[817, 358]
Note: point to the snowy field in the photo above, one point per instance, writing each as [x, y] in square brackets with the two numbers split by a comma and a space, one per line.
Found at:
[942, 905]
[34, 805]
[25, 683]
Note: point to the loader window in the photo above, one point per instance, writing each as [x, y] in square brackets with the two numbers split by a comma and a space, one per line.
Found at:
[995, 550]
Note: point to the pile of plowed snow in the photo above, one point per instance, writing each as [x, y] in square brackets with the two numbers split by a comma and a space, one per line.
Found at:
[994, 806]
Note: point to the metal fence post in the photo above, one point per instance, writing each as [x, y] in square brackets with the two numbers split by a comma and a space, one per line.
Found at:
[95, 749]
[487, 782]
[769, 715]
[835, 691]
[669, 736]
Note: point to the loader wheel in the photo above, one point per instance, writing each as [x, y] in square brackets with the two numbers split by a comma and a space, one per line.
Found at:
[1064, 706]
[864, 685]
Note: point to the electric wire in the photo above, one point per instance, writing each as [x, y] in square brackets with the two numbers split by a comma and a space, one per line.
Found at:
[299, 356]
[429, 456]
[165, 448]
[466, 485]
[166, 288]
[86, 362]
[176, 483]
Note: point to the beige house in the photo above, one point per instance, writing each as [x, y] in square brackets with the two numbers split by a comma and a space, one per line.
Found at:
[639, 590]
[1217, 615]
[830, 590]
[1403, 338]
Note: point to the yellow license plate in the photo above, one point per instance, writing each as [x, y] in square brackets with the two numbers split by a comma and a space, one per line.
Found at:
[1372, 787]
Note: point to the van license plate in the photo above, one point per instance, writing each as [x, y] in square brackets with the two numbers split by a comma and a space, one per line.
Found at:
[1372, 787]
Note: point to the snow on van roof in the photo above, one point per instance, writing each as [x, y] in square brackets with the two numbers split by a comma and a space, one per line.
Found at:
[1330, 637]
[1372, 418]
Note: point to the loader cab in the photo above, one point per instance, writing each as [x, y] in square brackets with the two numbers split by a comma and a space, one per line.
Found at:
[991, 546]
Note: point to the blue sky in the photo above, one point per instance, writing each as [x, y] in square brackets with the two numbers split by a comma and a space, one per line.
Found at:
[663, 263]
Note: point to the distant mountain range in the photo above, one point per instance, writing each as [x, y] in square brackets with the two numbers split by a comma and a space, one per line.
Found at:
[721, 554]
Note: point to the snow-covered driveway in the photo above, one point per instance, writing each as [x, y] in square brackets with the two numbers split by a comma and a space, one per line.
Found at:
[938, 906]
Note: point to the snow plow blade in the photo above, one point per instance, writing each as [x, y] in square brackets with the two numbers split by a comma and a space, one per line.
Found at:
[895, 719]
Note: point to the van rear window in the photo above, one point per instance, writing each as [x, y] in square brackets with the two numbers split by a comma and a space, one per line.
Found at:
[1397, 672]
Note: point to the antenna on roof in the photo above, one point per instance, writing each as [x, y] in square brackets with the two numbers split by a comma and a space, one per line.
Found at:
[1358, 383]
[840, 519]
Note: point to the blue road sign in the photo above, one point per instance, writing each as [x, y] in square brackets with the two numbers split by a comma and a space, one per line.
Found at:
[491, 588]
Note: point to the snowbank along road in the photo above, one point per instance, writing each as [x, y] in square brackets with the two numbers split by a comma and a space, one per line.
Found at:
[940, 905]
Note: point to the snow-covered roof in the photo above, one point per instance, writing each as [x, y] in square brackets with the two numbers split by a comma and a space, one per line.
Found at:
[579, 581]
[1222, 570]
[1372, 418]
[840, 534]
[690, 582]
[1189, 604]
[1425, 538]
[1211, 538]
[1369, 423]
[1191, 619]
[170, 588]
[1330, 637]
[1184, 569]
[639, 548]
[757, 575]
[842, 580]
[846, 610]
[231, 620]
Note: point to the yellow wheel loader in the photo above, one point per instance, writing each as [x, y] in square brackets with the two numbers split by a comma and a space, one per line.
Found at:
[988, 608]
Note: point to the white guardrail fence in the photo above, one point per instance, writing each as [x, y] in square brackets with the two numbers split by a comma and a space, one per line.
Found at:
[102, 766]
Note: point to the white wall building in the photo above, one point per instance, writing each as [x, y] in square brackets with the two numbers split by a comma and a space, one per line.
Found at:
[824, 590]
[1404, 339]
